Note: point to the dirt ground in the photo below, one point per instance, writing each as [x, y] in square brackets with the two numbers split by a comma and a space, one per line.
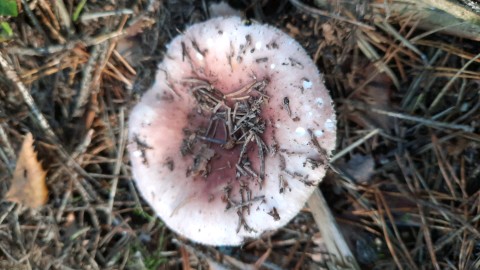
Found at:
[403, 184]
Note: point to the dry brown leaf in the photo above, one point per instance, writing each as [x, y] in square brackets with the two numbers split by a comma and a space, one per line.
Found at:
[28, 183]
[376, 93]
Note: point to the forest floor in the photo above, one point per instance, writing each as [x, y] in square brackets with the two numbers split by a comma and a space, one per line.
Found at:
[403, 184]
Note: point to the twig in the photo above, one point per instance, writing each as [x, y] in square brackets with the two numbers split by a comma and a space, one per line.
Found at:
[198, 253]
[389, 29]
[118, 164]
[93, 16]
[38, 116]
[85, 84]
[386, 235]
[428, 238]
[450, 82]
[372, 54]
[7, 212]
[64, 15]
[79, 150]
[318, 12]
[12, 75]
[7, 148]
[381, 201]
[34, 20]
[425, 121]
[354, 145]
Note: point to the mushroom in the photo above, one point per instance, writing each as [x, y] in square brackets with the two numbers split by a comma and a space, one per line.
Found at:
[234, 135]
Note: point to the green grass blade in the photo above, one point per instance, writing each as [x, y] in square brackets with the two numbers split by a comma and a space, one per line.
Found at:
[8, 8]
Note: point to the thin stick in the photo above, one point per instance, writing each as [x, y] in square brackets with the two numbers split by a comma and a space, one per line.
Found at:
[7, 147]
[354, 145]
[386, 234]
[428, 238]
[93, 16]
[122, 60]
[247, 203]
[450, 82]
[85, 84]
[118, 164]
[246, 89]
[34, 20]
[425, 121]
[64, 15]
[38, 116]
[318, 12]
[396, 232]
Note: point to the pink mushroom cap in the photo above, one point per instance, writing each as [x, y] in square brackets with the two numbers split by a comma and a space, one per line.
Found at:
[217, 192]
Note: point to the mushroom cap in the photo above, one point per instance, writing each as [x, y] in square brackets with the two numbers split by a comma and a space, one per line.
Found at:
[299, 133]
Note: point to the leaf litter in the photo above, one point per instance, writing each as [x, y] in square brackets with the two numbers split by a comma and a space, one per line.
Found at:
[28, 185]
[417, 208]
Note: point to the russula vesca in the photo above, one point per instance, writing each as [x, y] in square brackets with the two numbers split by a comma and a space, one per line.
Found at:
[235, 133]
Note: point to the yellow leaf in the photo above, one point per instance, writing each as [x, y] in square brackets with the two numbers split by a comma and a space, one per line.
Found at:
[28, 183]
